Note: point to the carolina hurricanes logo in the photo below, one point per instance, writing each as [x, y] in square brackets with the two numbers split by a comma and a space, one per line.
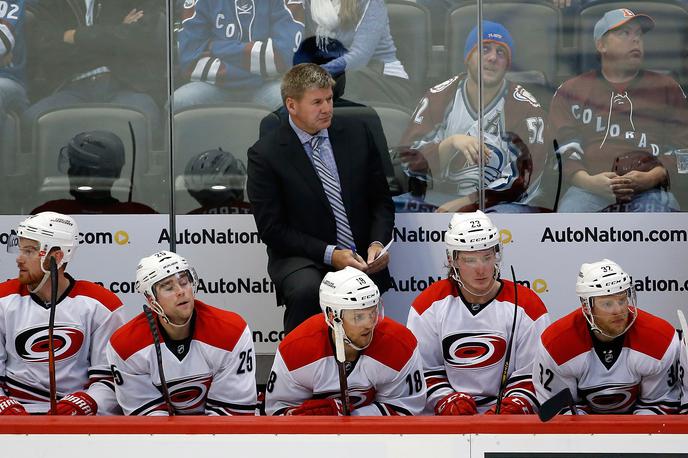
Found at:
[360, 397]
[611, 398]
[472, 350]
[188, 394]
[32, 344]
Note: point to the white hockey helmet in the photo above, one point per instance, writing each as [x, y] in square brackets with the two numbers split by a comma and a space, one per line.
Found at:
[347, 289]
[604, 278]
[471, 232]
[51, 230]
[156, 268]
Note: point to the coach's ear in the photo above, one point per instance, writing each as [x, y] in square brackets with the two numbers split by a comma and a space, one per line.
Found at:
[290, 104]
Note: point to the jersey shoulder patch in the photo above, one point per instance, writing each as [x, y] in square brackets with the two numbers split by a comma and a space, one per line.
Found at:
[132, 337]
[444, 85]
[218, 328]
[650, 335]
[567, 337]
[433, 293]
[97, 292]
[392, 345]
[12, 287]
[522, 95]
[528, 299]
[306, 344]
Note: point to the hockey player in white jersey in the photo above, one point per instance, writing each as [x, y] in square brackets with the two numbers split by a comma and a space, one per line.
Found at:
[464, 324]
[382, 365]
[683, 369]
[613, 357]
[192, 359]
[86, 315]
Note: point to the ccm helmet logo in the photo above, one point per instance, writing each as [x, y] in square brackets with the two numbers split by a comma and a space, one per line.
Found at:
[613, 282]
[63, 221]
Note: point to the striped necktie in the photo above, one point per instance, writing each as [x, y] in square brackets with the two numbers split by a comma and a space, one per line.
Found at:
[345, 238]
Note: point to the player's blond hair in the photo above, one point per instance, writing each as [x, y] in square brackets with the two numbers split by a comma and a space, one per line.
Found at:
[303, 77]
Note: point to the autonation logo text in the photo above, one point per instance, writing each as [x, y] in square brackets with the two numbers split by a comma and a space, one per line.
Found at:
[612, 235]
[210, 236]
[647, 284]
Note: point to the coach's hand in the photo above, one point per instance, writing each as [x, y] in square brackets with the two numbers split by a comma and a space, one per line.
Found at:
[376, 262]
[344, 258]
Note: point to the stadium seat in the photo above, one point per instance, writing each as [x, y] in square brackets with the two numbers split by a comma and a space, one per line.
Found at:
[409, 24]
[233, 128]
[55, 128]
[10, 168]
[664, 46]
[534, 25]
[394, 121]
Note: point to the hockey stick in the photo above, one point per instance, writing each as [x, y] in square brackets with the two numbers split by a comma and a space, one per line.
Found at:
[133, 159]
[340, 357]
[51, 329]
[507, 357]
[559, 178]
[551, 407]
[158, 354]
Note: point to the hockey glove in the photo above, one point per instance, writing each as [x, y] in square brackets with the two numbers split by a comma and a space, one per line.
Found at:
[327, 406]
[512, 405]
[78, 403]
[456, 404]
[9, 406]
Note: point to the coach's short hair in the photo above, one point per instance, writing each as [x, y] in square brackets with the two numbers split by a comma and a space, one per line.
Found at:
[303, 77]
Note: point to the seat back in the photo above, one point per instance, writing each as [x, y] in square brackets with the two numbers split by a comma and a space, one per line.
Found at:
[9, 158]
[409, 24]
[233, 128]
[55, 128]
[394, 120]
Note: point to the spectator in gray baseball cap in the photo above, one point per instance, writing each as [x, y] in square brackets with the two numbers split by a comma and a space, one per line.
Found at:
[618, 127]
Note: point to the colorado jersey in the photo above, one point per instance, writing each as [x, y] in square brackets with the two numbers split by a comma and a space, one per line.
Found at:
[594, 121]
[216, 375]
[640, 377]
[514, 113]
[463, 345]
[85, 317]
[239, 43]
[386, 379]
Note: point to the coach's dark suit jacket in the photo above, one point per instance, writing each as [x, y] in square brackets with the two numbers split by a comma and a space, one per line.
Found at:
[291, 210]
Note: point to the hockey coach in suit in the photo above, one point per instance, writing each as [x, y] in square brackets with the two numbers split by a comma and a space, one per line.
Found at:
[319, 194]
